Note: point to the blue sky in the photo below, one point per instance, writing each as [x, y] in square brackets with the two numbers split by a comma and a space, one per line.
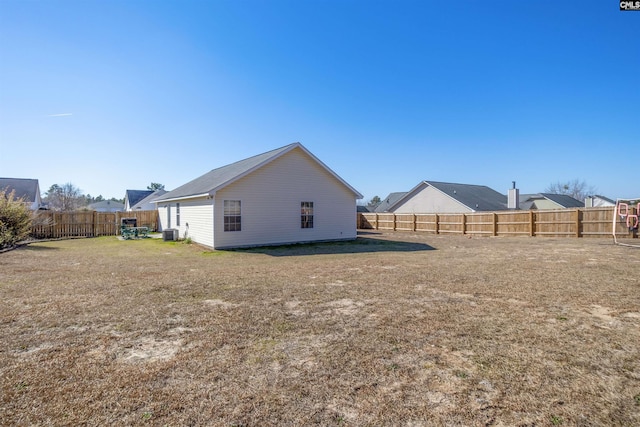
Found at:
[114, 95]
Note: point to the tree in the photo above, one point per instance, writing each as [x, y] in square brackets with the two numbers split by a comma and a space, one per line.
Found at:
[578, 189]
[374, 202]
[15, 219]
[155, 186]
[67, 197]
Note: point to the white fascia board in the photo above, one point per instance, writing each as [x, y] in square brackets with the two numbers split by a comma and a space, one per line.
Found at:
[194, 196]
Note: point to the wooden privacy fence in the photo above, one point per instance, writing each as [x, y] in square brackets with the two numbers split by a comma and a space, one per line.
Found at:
[587, 222]
[52, 225]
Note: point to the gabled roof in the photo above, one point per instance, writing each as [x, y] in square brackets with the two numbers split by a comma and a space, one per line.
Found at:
[606, 199]
[134, 196]
[216, 179]
[27, 189]
[475, 197]
[388, 201]
[563, 200]
[147, 202]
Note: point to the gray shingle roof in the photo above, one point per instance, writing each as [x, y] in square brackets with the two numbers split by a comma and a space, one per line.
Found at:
[528, 200]
[147, 202]
[220, 177]
[24, 188]
[564, 200]
[134, 196]
[475, 197]
[388, 201]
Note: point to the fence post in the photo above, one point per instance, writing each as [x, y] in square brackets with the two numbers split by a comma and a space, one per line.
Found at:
[414, 222]
[394, 221]
[495, 224]
[437, 224]
[578, 222]
[532, 224]
[94, 219]
[464, 224]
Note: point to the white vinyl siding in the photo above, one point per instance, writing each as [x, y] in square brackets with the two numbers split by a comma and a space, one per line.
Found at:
[196, 219]
[271, 198]
[430, 200]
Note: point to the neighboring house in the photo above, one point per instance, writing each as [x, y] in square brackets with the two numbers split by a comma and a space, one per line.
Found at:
[598, 201]
[390, 200]
[106, 206]
[147, 204]
[445, 197]
[133, 197]
[26, 189]
[548, 201]
[283, 196]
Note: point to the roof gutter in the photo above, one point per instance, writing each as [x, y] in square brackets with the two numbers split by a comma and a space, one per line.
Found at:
[195, 196]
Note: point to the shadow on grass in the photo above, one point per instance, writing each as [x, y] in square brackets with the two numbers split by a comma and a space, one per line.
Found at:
[360, 245]
[31, 247]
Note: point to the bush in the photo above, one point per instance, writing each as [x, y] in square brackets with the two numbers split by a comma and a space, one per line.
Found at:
[15, 219]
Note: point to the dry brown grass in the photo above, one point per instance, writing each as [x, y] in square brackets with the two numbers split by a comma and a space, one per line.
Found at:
[381, 331]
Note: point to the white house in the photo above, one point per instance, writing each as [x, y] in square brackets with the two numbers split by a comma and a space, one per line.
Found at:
[548, 201]
[26, 189]
[147, 203]
[133, 197]
[444, 197]
[107, 206]
[283, 196]
[598, 202]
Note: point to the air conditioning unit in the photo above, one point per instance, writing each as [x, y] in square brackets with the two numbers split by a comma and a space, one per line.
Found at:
[170, 234]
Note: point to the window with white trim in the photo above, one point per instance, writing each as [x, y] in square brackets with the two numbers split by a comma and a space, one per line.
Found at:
[306, 214]
[177, 214]
[232, 215]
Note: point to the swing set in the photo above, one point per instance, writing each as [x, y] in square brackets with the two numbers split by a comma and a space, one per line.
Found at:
[627, 212]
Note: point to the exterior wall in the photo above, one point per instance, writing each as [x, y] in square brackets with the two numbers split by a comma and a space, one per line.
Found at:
[270, 205]
[430, 200]
[196, 219]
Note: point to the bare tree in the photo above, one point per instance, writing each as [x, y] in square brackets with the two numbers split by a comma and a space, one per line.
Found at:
[578, 189]
[67, 197]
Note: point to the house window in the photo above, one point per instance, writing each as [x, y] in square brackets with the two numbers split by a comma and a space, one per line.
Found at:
[232, 215]
[168, 216]
[306, 215]
[177, 214]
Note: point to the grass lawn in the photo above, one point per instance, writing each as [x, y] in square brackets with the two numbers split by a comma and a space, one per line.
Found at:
[391, 329]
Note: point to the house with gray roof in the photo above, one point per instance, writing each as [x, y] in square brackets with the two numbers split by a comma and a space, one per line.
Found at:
[597, 201]
[106, 206]
[26, 189]
[148, 203]
[133, 197]
[548, 201]
[390, 200]
[282, 196]
[446, 197]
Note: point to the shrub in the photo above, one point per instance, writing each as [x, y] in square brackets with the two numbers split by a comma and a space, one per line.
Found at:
[15, 219]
